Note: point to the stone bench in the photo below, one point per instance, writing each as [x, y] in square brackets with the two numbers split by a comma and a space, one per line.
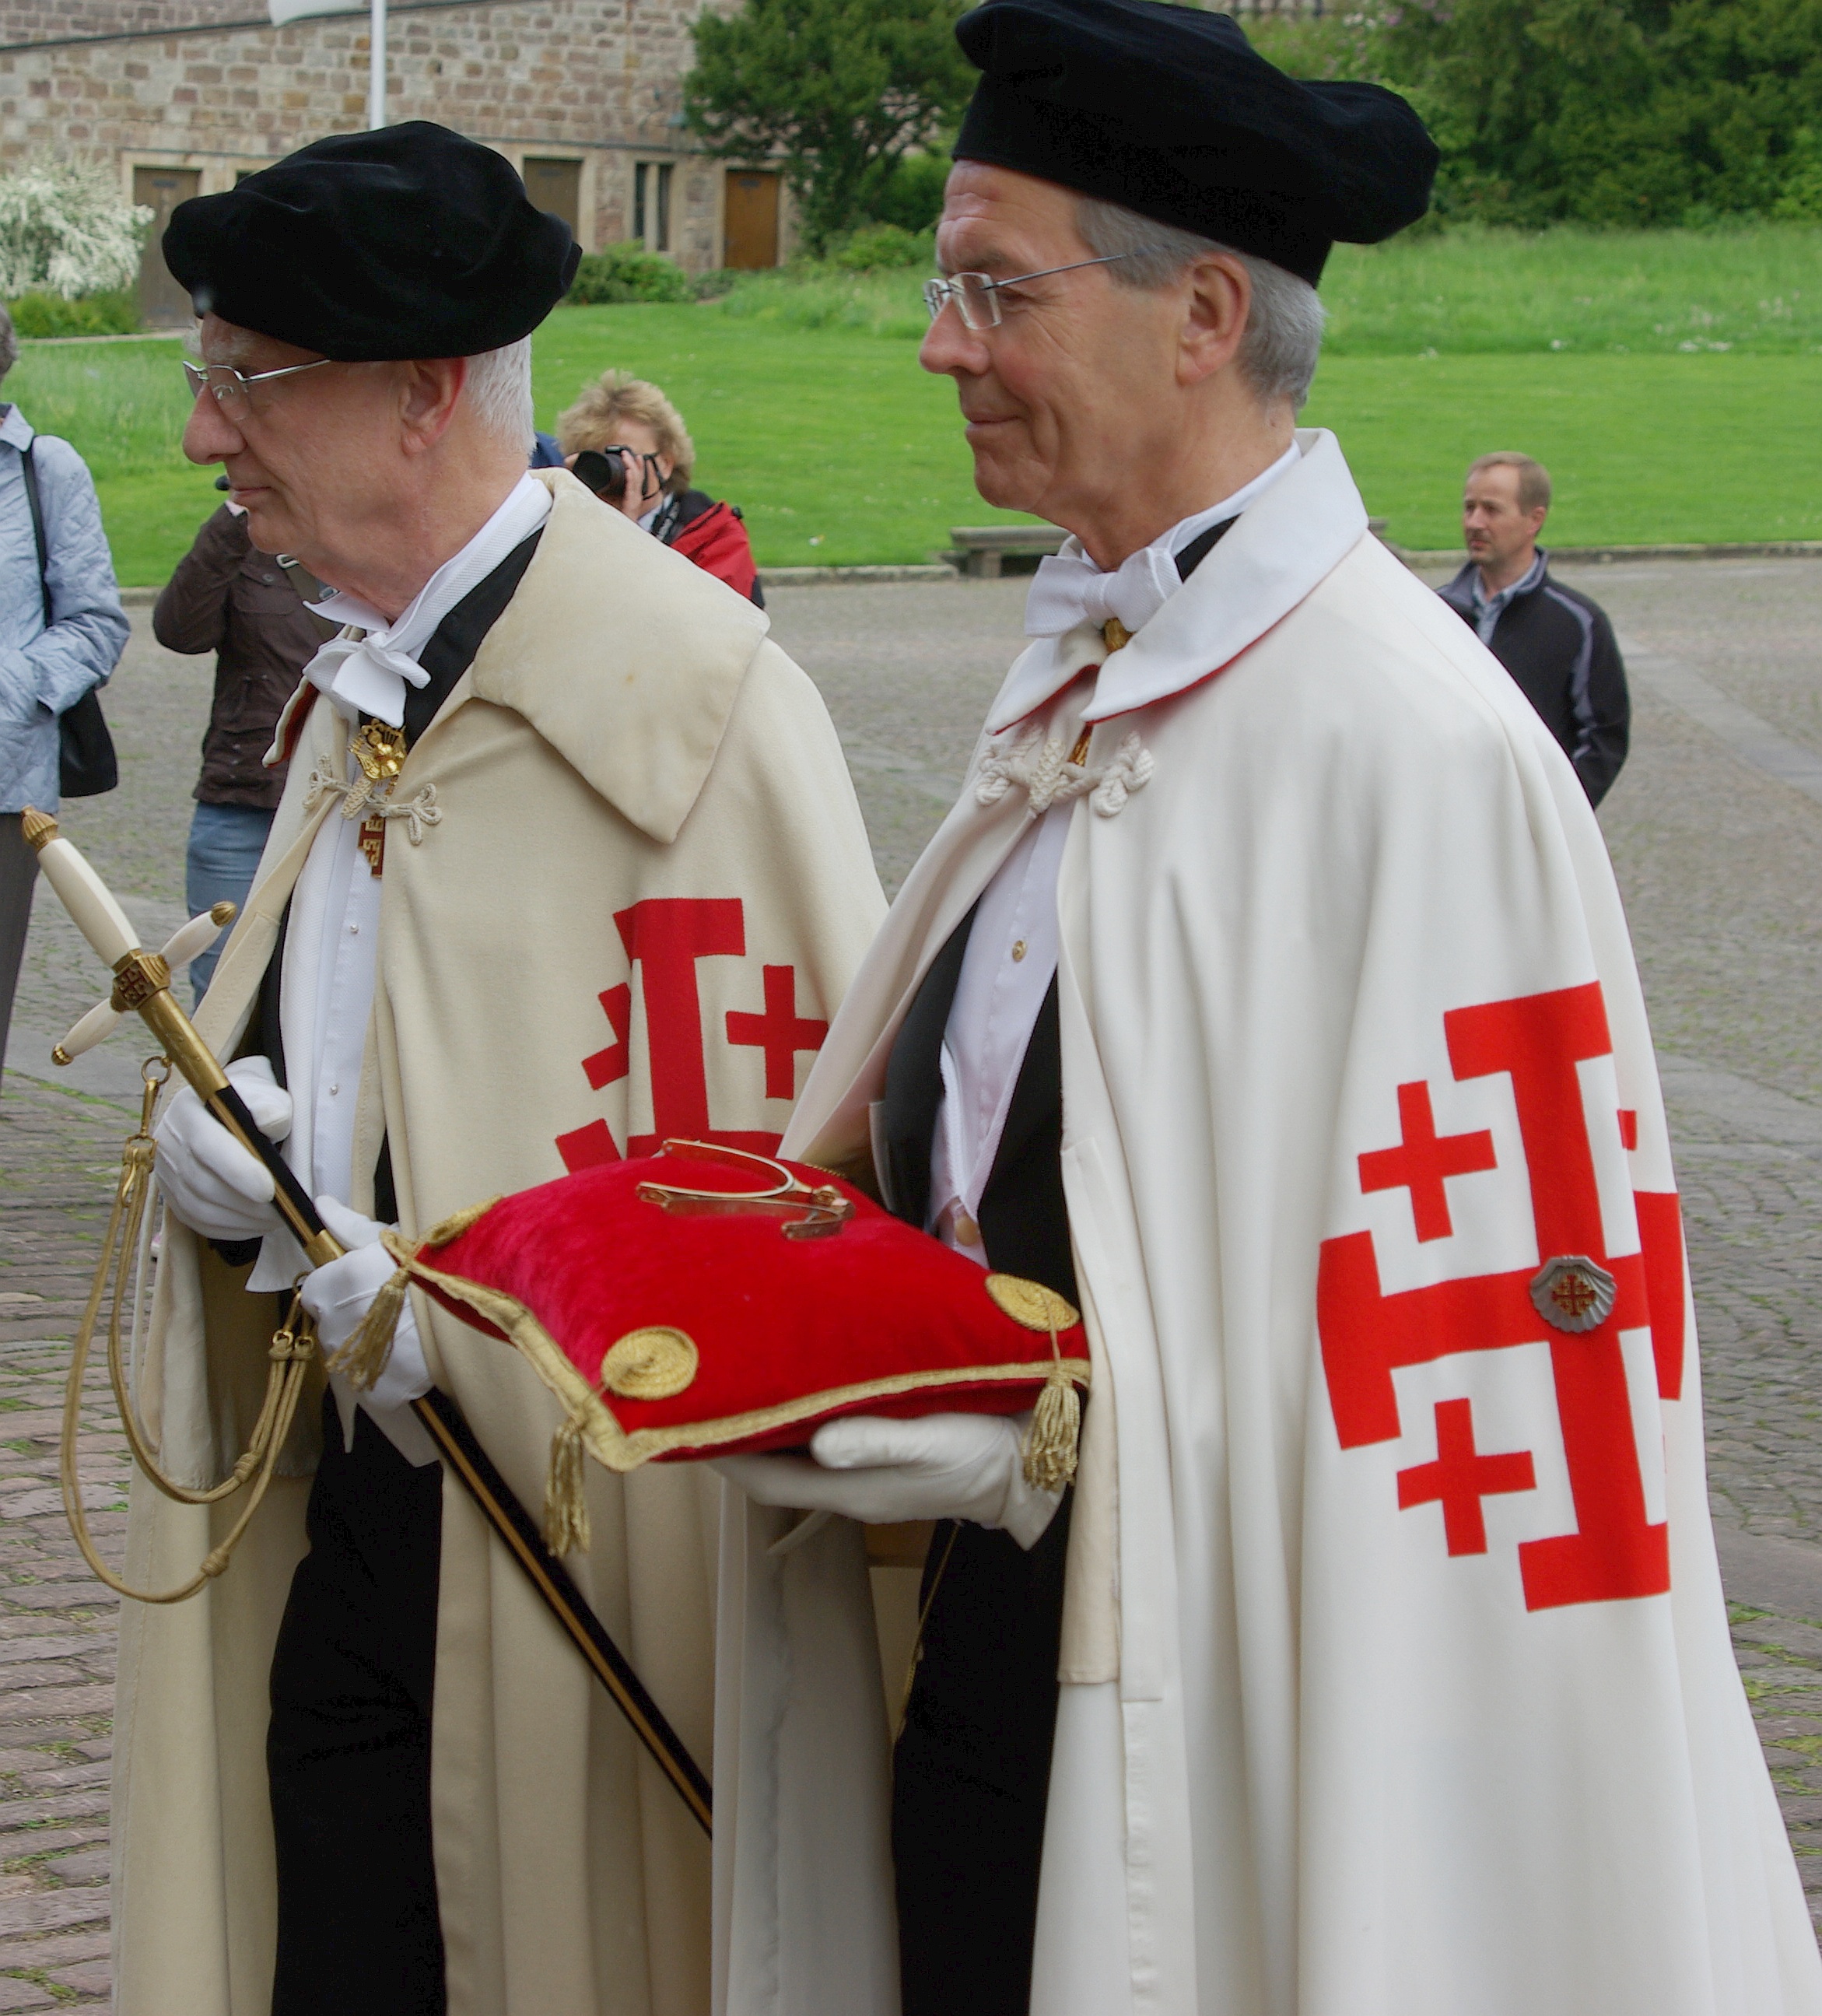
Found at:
[978, 551]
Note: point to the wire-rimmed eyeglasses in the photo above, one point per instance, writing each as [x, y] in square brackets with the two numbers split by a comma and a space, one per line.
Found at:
[230, 386]
[977, 295]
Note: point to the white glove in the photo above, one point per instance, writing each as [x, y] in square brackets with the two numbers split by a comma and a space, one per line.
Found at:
[209, 1180]
[340, 1293]
[882, 1471]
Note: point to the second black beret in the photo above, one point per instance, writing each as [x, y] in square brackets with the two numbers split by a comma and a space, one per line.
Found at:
[1170, 111]
[410, 241]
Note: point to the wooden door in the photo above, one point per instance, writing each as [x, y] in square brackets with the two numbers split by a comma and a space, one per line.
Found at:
[752, 226]
[163, 303]
[557, 186]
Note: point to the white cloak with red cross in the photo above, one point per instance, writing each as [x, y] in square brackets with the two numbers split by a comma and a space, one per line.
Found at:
[1397, 1677]
[635, 887]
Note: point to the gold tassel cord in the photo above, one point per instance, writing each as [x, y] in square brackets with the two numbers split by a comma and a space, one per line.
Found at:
[292, 1349]
[1055, 1434]
[1051, 1442]
[566, 1491]
[364, 1357]
[134, 1200]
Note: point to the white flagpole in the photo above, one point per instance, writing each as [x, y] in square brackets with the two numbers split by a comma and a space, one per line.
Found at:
[376, 76]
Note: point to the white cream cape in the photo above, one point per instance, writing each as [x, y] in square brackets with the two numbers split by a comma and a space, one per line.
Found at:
[1351, 1727]
[643, 806]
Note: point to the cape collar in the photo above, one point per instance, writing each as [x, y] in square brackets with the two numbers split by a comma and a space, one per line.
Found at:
[624, 656]
[1278, 551]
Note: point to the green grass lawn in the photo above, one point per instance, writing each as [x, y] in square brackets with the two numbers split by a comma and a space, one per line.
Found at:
[1642, 450]
[1671, 382]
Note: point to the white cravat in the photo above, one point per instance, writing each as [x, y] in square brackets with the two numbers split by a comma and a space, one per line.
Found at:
[369, 674]
[1068, 589]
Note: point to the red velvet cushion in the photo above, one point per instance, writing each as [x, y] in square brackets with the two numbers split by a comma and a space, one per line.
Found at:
[672, 1336]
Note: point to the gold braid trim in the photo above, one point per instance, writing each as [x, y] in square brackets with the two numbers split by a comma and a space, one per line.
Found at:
[615, 1450]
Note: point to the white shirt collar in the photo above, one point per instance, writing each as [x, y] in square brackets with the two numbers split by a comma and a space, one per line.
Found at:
[369, 674]
[1069, 589]
[1305, 514]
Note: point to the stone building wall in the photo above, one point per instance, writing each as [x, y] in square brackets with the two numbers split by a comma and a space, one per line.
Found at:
[54, 20]
[598, 82]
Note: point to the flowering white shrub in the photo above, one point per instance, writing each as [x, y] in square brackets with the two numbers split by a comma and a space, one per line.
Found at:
[65, 228]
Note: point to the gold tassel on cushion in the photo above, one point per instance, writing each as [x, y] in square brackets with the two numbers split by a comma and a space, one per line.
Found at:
[565, 1499]
[1056, 1429]
[1050, 1446]
[363, 1358]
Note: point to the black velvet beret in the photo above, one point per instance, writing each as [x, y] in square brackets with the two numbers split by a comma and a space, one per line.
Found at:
[407, 242]
[1169, 111]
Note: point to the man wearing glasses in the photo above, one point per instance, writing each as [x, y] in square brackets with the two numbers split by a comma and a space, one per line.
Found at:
[530, 872]
[1266, 996]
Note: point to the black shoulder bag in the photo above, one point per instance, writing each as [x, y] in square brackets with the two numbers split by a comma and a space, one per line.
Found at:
[86, 763]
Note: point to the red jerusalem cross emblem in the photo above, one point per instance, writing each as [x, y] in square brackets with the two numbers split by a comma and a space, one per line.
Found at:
[666, 939]
[1577, 1303]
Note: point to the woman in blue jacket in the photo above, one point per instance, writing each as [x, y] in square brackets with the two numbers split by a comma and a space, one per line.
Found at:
[45, 666]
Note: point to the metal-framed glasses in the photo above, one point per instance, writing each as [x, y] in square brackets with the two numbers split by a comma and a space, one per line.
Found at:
[230, 386]
[977, 295]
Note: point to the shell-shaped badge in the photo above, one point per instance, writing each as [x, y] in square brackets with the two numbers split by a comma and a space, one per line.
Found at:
[1031, 1303]
[649, 1364]
[1573, 1293]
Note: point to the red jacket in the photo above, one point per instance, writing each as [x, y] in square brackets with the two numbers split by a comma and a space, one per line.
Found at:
[714, 536]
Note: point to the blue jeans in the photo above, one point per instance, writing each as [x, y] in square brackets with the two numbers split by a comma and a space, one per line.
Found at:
[225, 842]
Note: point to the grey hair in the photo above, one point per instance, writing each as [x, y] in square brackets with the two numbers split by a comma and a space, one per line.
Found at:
[9, 344]
[1283, 332]
[499, 390]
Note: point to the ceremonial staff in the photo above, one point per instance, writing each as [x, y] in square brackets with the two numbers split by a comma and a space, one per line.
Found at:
[143, 982]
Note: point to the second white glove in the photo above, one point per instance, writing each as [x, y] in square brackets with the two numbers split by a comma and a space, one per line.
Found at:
[882, 1471]
[340, 1293]
[209, 1180]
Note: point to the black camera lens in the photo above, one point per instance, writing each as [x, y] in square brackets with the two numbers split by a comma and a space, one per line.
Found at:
[604, 472]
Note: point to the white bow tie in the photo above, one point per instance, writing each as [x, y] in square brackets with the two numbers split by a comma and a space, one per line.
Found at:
[363, 675]
[1068, 589]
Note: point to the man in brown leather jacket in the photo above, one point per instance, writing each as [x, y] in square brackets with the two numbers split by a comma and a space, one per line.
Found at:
[228, 598]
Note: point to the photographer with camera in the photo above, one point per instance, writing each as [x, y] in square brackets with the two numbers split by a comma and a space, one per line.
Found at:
[627, 443]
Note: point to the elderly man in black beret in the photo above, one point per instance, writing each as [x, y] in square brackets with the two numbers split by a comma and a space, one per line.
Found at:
[554, 803]
[1267, 995]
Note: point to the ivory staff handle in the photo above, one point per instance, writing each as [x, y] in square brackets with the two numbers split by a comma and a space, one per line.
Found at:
[186, 942]
[83, 893]
[202, 931]
[98, 1023]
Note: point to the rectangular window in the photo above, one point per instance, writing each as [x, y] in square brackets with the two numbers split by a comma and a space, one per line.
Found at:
[651, 205]
[557, 186]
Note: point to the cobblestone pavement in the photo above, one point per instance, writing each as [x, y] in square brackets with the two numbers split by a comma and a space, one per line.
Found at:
[58, 1152]
[1721, 866]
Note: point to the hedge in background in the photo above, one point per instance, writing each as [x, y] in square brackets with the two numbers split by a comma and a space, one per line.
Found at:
[1595, 112]
[627, 273]
[115, 313]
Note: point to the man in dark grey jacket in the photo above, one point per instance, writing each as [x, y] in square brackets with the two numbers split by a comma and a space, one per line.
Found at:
[1557, 644]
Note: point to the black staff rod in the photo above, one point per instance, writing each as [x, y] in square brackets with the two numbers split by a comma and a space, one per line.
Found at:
[142, 981]
[500, 1505]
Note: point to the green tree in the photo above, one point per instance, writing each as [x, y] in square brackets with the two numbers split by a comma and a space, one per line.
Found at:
[834, 90]
[1620, 112]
